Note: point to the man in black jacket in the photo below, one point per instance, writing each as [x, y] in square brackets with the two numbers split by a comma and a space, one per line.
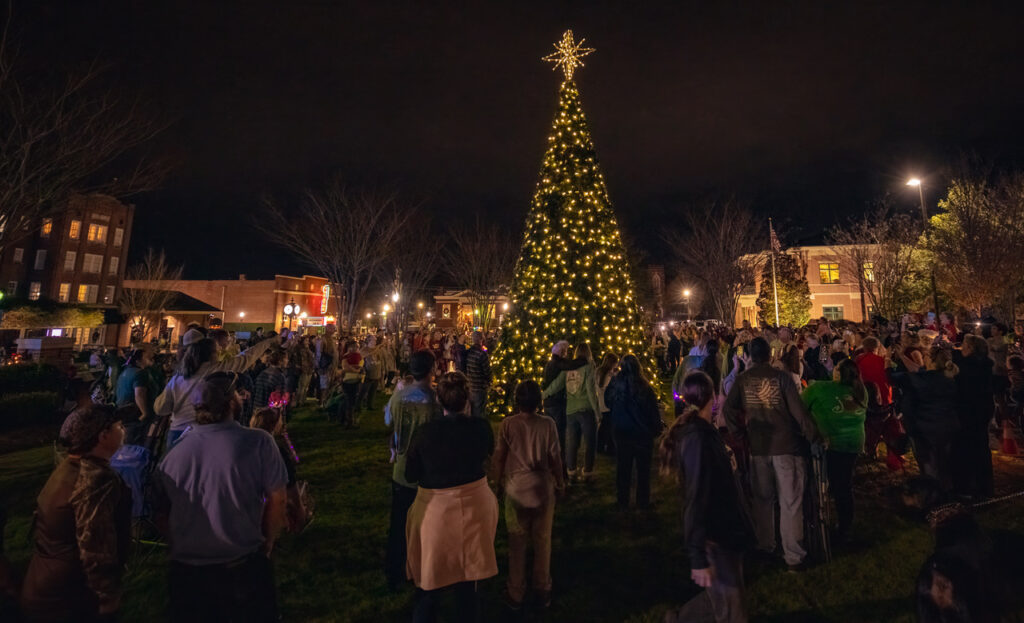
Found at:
[972, 458]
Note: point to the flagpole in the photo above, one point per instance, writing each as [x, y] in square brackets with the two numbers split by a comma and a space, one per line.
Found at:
[775, 285]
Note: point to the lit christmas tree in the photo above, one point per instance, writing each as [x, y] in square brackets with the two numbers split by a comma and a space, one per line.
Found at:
[572, 280]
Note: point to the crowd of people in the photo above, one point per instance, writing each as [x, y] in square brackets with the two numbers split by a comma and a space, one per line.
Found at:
[751, 405]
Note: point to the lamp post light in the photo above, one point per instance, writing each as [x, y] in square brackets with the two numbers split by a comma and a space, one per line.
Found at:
[914, 181]
[686, 297]
[291, 310]
[241, 314]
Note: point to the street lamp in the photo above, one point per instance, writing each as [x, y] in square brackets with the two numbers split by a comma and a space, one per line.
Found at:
[292, 311]
[241, 314]
[686, 297]
[914, 181]
[394, 297]
[420, 305]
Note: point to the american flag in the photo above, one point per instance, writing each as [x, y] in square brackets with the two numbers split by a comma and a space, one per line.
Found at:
[776, 246]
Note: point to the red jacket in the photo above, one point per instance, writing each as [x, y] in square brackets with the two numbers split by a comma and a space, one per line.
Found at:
[872, 370]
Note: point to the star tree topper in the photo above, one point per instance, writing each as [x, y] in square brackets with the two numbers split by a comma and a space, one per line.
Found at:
[567, 54]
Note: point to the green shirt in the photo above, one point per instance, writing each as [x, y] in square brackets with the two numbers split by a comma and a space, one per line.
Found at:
[580, 387]
[840, 420]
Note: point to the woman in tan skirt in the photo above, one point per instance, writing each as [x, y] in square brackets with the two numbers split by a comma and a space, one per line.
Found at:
[451, 524]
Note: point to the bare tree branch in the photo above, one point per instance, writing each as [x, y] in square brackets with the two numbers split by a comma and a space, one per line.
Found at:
[57, 137]
[719, 252]
[149, 289]
[880, 248]
[346, 236]
[481, 259]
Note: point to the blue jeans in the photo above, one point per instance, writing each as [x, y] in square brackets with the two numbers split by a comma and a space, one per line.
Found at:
[477, 401]
[174, 436]
[580, 423]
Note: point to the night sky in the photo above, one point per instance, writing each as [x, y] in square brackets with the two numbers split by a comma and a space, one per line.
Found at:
[805, 111]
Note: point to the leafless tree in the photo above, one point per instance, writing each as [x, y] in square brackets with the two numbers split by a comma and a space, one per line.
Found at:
[720, 252]
[59, 136]
[881, 250]
[978, 239]
[408, 271]
[480, 259]
[347, 236]
[150, 287]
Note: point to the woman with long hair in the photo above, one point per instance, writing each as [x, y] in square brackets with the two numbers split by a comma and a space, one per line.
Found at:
[451, 525]
[605, 372]
[198, 359]
[636, 421]
[839, 408]
[527, 466]
[581, 408]
[716, 526]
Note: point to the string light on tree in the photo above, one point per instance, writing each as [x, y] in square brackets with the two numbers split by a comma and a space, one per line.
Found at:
[572, 281]
[568, 54]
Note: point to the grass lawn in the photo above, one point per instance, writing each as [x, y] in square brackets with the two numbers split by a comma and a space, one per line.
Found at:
[606, 566]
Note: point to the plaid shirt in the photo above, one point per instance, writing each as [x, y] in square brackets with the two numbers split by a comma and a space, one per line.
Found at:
[270, 380]
[478, 369]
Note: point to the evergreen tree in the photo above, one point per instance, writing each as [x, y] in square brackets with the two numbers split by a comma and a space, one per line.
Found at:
[572, 280]
[794, 292]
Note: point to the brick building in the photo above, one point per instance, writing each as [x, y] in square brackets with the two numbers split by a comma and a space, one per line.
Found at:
[77, 255]
[835, 294]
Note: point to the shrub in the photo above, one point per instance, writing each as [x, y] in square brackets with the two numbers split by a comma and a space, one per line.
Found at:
[30, 408]
[30, 377]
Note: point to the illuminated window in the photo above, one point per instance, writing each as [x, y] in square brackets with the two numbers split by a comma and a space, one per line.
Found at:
[64, 292]
[34, 290]
[69, 261]
[832, 312]
[19, 256]
[87, 293]
[118, 237]
[92, 263]
[869, 272]
[112, 266]
[75, 230]
[47, 227]
[829, 272]
[40, 259]
[97, 233]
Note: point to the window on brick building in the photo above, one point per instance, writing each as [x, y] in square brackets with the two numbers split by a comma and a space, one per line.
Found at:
[40, 259]
[97, 233]
[64, 292]
[869, 272]
[92, 263]
[108, 295]
[832, 312]
[87, 293]
[19, 256]
[47, 227]
[118, 237]
[69, 261]
[829, 272]
[75, 229]
[34, 290]
[113, 265]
